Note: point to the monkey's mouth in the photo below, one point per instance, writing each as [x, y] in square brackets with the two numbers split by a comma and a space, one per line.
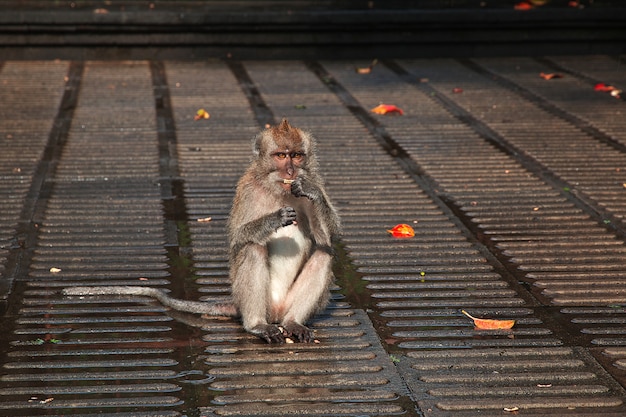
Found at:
[287, 181]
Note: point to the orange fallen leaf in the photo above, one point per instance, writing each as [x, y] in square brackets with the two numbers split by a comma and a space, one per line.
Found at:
[523, 5]
[608, 89]
[457, 90]
[550, 76]
[402, 230]
[490, 324]
[201, 114]
[604, 88]
[368, 69]
[387, 108]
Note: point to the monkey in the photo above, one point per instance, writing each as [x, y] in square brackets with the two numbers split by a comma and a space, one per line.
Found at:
[281, 231]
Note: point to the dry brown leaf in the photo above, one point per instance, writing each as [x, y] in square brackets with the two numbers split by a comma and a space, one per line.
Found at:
[490, 324]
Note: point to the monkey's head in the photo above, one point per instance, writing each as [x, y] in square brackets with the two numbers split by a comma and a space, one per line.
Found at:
[283, 152]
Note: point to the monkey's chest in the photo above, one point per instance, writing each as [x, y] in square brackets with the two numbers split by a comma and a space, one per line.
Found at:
[288, 250]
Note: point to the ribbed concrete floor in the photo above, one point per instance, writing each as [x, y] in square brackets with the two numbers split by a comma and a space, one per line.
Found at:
[515, 187]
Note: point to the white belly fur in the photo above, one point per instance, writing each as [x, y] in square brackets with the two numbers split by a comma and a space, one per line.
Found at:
[287, 249]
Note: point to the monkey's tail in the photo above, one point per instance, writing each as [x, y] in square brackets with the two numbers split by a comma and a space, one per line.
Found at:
[198, 307]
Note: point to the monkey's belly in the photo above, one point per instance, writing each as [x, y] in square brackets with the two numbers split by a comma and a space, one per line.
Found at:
[287, 250]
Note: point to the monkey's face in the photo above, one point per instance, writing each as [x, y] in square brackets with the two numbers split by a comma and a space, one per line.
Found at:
[283, 153]
[287, 163]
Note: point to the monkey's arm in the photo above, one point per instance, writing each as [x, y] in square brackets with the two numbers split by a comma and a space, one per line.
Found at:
[311, 189]
[198, 307]
[259, 230]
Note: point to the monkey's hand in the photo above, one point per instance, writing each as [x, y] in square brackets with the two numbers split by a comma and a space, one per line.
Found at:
[268, 332]
[286, 216]
[301, 188]
[298, 332]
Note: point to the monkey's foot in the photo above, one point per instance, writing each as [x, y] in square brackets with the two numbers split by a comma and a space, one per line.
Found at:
[268, 332]
[299, 332]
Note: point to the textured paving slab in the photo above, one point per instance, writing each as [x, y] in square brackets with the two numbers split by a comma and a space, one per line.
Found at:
[512, 183]
[424, 316]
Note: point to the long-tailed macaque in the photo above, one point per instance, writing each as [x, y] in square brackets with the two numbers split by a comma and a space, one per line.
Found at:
[281, 230]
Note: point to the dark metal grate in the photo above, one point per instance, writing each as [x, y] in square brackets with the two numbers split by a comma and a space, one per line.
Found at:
[501, 233]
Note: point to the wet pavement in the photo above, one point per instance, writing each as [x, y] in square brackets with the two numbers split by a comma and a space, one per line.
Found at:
[515, 186]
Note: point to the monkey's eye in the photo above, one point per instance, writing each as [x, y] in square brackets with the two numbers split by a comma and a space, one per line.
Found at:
[292, 155]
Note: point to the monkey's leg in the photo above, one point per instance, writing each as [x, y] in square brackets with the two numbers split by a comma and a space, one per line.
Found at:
[250, 288]
[308, 294]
